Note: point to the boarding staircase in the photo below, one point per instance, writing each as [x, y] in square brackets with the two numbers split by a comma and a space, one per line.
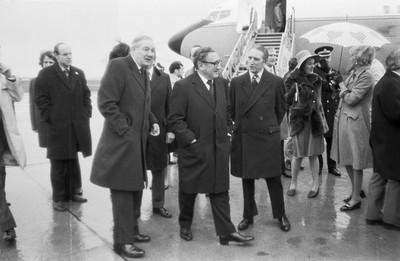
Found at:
[283, 43]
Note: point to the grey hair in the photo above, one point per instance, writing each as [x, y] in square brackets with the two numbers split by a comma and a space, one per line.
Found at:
[140, 38]
[393, 60]
[362, 55]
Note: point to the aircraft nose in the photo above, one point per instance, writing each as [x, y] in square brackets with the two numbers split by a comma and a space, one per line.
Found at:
[175, 42]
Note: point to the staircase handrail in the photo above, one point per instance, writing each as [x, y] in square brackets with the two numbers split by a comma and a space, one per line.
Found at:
[286, 46]
[241, 47]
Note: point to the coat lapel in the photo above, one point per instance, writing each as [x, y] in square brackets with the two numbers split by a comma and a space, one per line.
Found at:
[73, 77]
[155, 79]
[136, 74]
[262, 86]
[246, 85]
[61, 75]
[202, 90]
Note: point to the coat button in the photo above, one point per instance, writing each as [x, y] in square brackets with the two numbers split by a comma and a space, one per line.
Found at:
[261, 118]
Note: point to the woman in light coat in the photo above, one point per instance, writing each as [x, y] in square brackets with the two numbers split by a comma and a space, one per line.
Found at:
[12, 152]
[350, 145]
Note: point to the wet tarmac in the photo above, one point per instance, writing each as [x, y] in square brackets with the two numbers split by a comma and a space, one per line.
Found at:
[319, 230]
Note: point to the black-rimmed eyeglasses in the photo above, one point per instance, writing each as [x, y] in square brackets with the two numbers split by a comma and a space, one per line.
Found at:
[216, 63]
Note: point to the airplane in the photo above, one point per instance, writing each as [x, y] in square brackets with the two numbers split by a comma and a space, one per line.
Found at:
[224, 25]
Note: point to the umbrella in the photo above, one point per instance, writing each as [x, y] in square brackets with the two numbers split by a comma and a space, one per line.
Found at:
[345, 34]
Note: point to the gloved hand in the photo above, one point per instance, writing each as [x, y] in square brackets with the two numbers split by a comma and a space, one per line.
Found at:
[324, 66]
[338, 78]
[294, 73]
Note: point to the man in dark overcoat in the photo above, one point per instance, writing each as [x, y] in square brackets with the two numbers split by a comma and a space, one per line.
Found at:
[157, 146]
[384, 187]
[63, 99]
[330, 102]
[200, 119]
[257, 109]
[124, 99]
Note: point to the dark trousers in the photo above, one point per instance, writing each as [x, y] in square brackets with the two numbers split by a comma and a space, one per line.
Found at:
[331, 162]
[158, 187]
[125, 220]
[6, 218]
[220, 209]
[283, 155]
[65, 178]
[275, 193]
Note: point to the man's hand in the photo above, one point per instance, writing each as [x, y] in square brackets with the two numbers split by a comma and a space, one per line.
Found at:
[170, 137]
[155, 130]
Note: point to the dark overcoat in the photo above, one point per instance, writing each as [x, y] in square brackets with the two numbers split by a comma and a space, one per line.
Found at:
[157, 149]
[385, 129]
[123, 99]
[330, 100]
[37, 124]
[204, 164]
[256, 133]
[65, 105]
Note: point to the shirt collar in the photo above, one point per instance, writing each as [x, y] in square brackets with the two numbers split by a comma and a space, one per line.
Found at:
[138, 66]
[64, 68]
[204, 81]
[259, 75]
[150, 71]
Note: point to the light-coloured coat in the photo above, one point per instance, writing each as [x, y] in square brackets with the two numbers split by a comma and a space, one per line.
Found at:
[11, 92]
[352, 127]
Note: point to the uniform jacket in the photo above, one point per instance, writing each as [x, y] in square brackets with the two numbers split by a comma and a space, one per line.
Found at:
[256, 131]
[309, 104]
[385, 129]
[123, 99]
[203, 165]
[329, 99]
[37, 124]
[65, 105]
[352, 127]
[11, 92]
[157, 149]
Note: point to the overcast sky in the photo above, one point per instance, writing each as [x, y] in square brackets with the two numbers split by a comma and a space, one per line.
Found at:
[91, 27]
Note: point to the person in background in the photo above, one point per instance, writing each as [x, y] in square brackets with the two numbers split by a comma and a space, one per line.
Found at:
[200, 119]
[191, 53]
[46, 59]
[119, 50]
[352, 126]
[12, 152]
[307, 122]
[63, 99]
[124, 101]
[257, 108]
[330, 101]
[384, 186]
[175, 72]
[278, 17]
[271, 61]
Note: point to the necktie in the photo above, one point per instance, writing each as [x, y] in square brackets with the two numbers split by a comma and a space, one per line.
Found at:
[66, 73]
[210, 83]
[254, 81]
[143, 73]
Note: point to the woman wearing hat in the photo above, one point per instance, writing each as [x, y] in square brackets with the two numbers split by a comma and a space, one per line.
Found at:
[307, 122]
[350, 144]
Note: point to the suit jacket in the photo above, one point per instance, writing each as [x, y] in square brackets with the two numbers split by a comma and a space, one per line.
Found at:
[194, 114]
[157, 149]
[385, 129]
[256, 132]
[123, 99]
[65, 105]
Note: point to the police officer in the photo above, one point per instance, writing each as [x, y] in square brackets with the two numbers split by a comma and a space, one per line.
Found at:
[330, 101]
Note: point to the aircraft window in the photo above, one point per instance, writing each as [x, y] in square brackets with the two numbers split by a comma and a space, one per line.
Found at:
[212, 16]
[224, 13]
[386, 9]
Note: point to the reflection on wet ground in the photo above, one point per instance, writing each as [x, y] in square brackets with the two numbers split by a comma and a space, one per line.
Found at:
[319, 230]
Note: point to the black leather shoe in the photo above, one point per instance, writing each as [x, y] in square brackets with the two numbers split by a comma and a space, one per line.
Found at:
[186, 234]
[10, 235]
[128, 250]
[373, 222]
[286, 175]
[335, 172]
[244, 224]
[77, 198]
[392, 227]
[312, 193]
[235, 237]
[284, 223]
[348, 207]
[141, 238]
[162, 212]
[59, 206]
[362, 195]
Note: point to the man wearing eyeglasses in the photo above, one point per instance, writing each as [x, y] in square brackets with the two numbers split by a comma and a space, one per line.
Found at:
[257, 109]
[199, 117]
